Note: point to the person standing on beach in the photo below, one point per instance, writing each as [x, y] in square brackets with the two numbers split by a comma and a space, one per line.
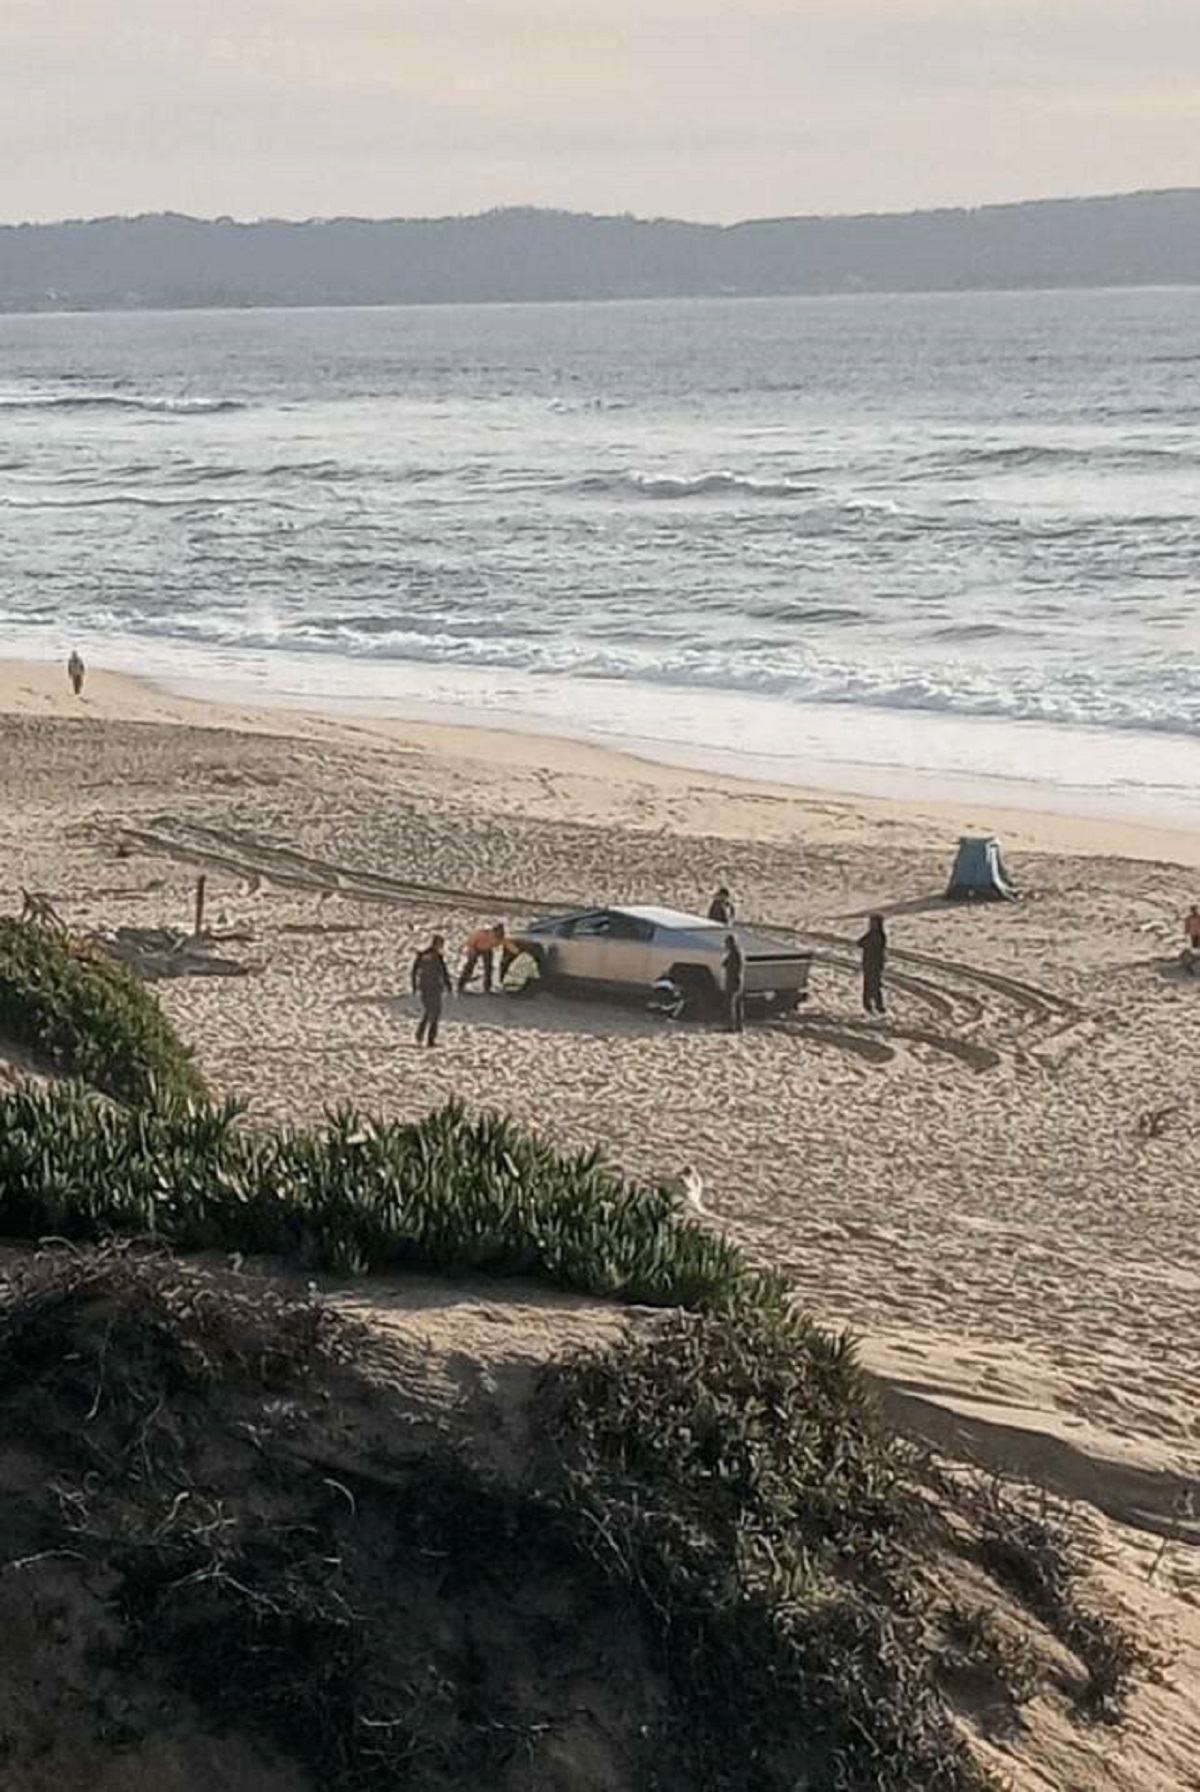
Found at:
[482, 948]
[721, 909]
[734, 966]
[873, 946]
[431, 982]
[75, 672]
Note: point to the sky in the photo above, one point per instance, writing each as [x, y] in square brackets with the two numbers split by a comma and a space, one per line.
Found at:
[709, 109]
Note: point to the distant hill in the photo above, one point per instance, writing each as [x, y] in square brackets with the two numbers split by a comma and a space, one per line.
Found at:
[168, 260]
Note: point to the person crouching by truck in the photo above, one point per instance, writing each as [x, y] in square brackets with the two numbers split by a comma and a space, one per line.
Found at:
[734, 966]
[873, 946]
[521, 975]
[431, 985]
[482, 948]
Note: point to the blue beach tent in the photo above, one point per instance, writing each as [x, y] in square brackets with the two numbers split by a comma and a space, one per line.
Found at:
[979, 874]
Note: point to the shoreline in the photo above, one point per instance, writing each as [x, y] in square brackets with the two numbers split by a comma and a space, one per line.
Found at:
[1118, 776]
[925, 802]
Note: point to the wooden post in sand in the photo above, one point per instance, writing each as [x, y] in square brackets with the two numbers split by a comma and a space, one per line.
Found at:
[199, 927]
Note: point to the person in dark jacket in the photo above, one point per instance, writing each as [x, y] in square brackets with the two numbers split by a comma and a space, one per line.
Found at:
[734, 966]
[431, 982]
[75, 672]
[720, 909]
[873, 946]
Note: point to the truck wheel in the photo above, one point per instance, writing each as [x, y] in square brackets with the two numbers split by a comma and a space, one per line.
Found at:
[666, 1000]
[538, 955]
[699, 992]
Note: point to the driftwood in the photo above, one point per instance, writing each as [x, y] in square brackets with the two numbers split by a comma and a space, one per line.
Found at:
[1155, 1121]
[160, 952]
[39, 911]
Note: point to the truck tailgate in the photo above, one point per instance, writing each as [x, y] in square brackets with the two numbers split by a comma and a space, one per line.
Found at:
[778, 970]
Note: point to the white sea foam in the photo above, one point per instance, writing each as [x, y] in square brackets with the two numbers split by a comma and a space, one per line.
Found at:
[720, 483]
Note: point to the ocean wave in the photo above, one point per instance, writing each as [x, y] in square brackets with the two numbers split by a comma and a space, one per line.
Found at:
[1032, 456]
[812, 615]
[123, 500]
[574, 406]
[308, 469]
[114, 401]
[718, 484]
[964, 632]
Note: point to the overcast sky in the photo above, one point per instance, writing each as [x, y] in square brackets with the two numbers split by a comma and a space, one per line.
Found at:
[694, 108]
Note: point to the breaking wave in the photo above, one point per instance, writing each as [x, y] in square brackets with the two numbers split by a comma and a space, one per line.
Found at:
[114, 401]
[720, 484]
[1159, 700]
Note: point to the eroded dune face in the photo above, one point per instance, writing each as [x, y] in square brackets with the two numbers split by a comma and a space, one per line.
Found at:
[258, 1549]
[250, 1524]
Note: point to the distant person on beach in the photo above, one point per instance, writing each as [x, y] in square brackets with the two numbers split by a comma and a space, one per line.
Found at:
[482, 948]
[75, 672]
[720, 909]
[431, 982]
[873, 946]
[734, 967]
[1190, 956]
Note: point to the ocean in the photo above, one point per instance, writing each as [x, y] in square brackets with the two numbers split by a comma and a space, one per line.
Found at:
[865, 541]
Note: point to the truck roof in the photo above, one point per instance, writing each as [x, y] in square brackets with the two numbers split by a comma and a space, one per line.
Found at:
[668, 917]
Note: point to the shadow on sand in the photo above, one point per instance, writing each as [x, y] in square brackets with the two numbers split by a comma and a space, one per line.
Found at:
[915, 905]
[541, 1014]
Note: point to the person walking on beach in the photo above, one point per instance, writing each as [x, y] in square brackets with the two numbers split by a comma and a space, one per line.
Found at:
[482, 948]
[734, 966]
[1191, 927]
[431, 982]
[873, 946]
[75, 672]
[721, 909]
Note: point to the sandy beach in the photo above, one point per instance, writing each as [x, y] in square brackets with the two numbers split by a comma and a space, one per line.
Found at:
[995, 1189]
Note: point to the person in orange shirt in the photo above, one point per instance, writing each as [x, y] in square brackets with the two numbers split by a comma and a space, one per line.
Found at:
[482, 948]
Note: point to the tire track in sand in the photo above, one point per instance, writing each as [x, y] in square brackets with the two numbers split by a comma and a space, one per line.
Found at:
[958, 996]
